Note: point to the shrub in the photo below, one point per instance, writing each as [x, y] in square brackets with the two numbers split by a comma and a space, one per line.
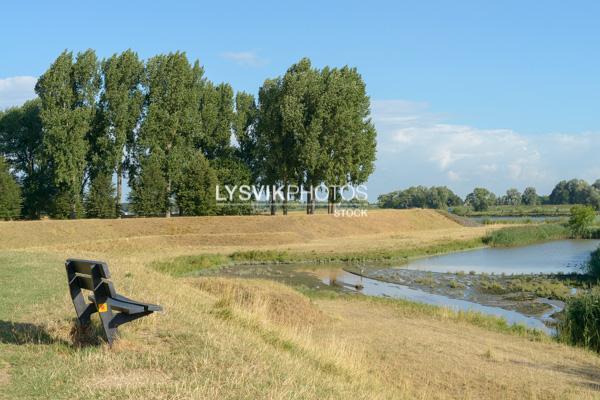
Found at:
[593, 266]
[581, 221]
[581, 323]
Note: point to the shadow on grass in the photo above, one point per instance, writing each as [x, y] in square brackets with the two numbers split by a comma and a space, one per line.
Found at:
[23, 333]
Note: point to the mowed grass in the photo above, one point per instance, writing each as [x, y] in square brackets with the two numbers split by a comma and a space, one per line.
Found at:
[230, 338]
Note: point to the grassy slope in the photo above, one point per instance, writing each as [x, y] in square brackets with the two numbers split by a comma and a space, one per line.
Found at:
[240, 339]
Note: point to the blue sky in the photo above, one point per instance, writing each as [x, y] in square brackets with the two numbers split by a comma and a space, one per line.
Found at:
[465, 93]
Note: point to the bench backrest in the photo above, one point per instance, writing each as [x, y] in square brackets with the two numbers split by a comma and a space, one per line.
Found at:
[90, 275]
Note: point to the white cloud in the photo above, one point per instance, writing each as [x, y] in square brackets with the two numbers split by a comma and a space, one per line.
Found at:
[15, 90]
[417, 147]
[245, 58]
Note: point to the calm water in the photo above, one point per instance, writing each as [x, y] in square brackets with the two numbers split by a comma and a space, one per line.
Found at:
[372, 287]
[550, 257]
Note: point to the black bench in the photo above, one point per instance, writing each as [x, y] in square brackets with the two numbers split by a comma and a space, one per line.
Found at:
[114, 309]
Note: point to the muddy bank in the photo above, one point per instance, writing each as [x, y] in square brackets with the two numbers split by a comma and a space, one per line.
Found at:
[539, 296]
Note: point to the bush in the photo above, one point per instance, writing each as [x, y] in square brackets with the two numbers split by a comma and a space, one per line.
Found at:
[593, 266]
[581, 323]
[581, 221]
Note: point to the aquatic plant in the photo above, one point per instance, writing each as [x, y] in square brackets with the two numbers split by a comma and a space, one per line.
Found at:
[521, 235]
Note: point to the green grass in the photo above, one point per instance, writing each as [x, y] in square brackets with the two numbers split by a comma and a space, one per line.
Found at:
[32, 285]
[187, 265]
[43, 274]
[522, 235]
[580, 325]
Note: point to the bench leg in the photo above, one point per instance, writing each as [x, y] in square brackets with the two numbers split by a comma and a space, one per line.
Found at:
[84, 310]
[106, 317]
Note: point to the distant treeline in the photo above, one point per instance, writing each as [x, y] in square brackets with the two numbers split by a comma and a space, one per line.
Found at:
[167, 129]
[575, 191]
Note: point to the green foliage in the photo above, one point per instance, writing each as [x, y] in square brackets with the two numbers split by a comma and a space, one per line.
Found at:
[233, 172]
[530, 197]
[313, 126]
[120, 111]
[62, 206]
[216, 116]
[172, 121]
[148, 196]
[244, 128]
[195, 188]
[580, 324]
[100, 200]
[439, 197]
[581, 221]
[512, 198]
[21, 142]
[576, 191]
[10, 193]
[521, 235]
[480, 199]
[68, 92]
[593, 266]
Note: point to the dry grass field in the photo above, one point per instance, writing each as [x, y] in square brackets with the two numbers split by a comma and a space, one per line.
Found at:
[232, 338]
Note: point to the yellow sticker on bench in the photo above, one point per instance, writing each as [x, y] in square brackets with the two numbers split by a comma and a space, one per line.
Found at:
[102, 307]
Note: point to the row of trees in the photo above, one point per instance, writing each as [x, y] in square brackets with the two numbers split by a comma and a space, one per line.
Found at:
[575, 191]
[169, 131]
[439, 197]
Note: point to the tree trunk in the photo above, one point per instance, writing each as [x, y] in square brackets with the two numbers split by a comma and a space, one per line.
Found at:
[168, 212]
[119, 190]
[73, 214]
[331, 205]
[273, 209]
[312, 200]
[285, 200]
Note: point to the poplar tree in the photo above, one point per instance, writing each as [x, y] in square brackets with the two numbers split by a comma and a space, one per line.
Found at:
[216, 116]
[302, 130]
[68, 91]
[349, 136]
[172, 117]
[120, 108]
[270, 152]
[313, 128]
[244, 128]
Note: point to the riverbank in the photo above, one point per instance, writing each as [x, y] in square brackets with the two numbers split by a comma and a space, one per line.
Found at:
[247, 338]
